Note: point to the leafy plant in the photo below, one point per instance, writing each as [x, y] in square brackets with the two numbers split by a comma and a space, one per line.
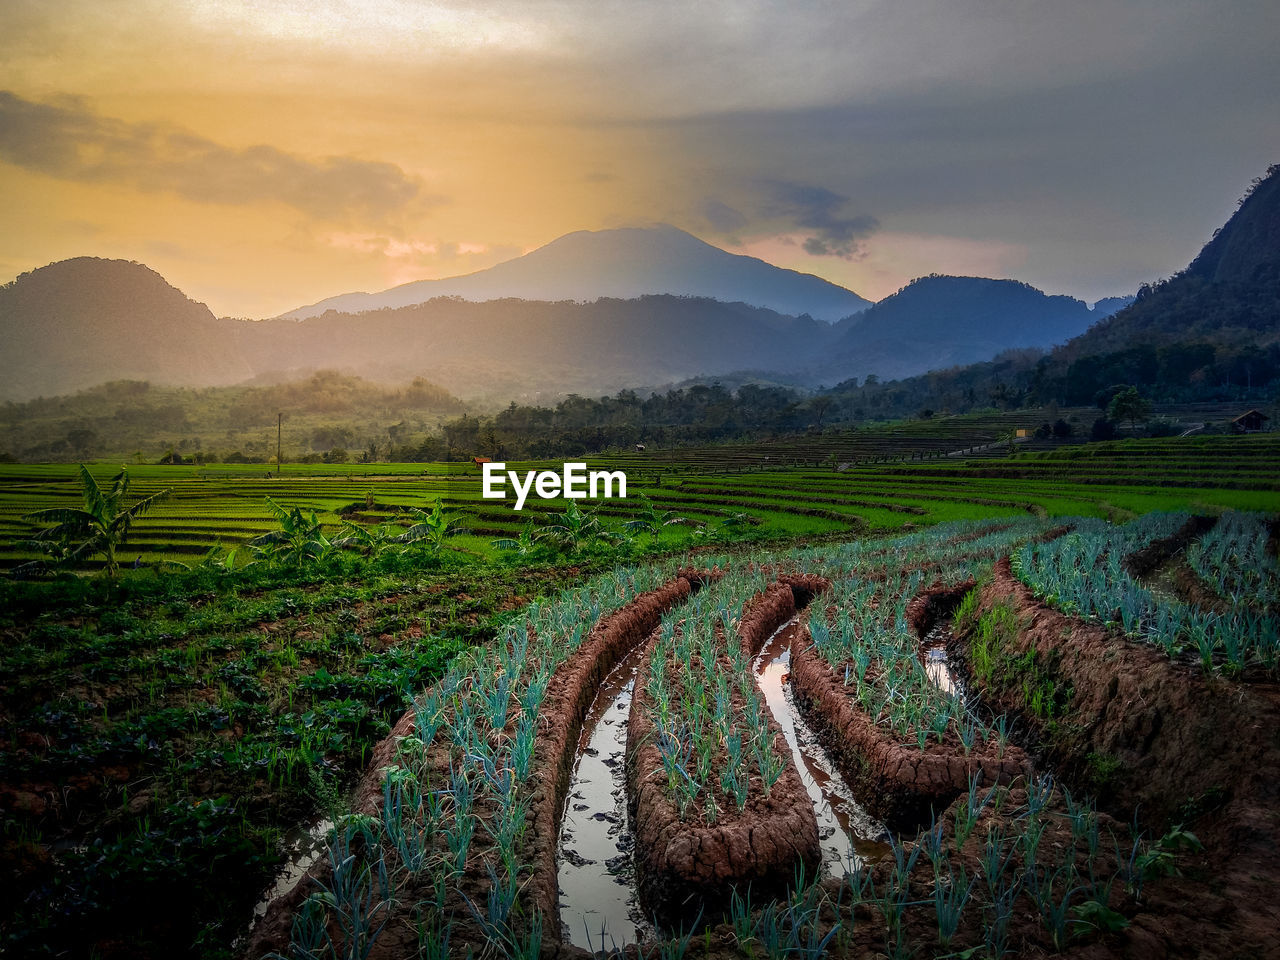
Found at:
[651, 520]
[299, 541]
[575, 528]
[100, 527]
[431, 529]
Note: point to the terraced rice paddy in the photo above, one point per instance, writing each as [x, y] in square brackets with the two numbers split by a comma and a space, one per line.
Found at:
[222, 506]
[170, 739]
[989, 851]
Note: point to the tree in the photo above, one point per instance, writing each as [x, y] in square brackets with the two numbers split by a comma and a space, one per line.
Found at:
[100, 527]
[81, 440]
[1129, 405]
[820, 405]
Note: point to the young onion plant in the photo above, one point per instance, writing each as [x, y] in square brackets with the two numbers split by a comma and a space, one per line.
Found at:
[458, 796]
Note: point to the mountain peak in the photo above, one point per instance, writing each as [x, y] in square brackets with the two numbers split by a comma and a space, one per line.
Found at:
[61, 325]
[622, 263]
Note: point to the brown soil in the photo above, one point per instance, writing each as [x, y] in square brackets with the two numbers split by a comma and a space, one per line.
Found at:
[897, 782]
[935, 604]
[569, 695]
[1176, 746]
[1142, 563]
[689, 868]
[1192, 589]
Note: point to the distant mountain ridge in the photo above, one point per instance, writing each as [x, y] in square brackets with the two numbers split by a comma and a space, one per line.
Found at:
[80, 322]
[621, 264]
[940, 321]
[503, 348]
[1211, 332]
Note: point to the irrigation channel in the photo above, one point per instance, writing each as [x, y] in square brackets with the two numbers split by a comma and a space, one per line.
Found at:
[937, 666]
[599, 907]
[848, 835]
[598, 900]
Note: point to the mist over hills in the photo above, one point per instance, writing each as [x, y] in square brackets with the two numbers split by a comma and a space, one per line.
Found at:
[1210, 332]
[943, 321]
[520, 348]
[621, 264]
[116, 320]
[79, 322]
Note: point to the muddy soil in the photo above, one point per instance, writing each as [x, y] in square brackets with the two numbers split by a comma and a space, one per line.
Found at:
[1142, 563]
[687, 869]
[848, 835]
[598, 902]
[569, 695]
[1177, 746]
[897, 782]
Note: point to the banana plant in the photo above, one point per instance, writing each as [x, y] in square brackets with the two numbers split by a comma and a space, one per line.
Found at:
[733, 519]
[431, 529]
[575, 528]
[651, 520]
[299, 541]
[100, 527]
[522, 545]
[371, 541]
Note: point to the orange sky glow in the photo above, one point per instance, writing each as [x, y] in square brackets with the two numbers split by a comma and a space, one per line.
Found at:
[261, 156]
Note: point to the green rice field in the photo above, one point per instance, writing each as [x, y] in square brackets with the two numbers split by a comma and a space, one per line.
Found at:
[222, 506]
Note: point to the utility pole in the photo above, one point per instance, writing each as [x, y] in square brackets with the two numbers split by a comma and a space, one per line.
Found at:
[279, 463]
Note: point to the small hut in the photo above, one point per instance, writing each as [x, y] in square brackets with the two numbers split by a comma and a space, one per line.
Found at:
[1253, 421]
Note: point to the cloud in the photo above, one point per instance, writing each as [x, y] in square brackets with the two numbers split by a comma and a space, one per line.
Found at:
[723, 217]
[68, 141]
[832, 231]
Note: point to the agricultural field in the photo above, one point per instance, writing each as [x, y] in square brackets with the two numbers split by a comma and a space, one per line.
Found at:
[998, 706]
[223, 506]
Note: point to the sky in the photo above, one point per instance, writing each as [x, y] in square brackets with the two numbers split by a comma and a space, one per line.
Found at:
[265, 155]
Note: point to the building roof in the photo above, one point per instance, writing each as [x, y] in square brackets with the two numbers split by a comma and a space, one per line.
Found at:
[1251, 413]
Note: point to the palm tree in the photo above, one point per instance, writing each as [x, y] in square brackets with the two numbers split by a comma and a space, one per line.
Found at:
[100, 527]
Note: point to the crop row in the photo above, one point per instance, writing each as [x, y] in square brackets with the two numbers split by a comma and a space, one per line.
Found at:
[458, 793]
[1233, 558]
[709, 720]
[1084, 574]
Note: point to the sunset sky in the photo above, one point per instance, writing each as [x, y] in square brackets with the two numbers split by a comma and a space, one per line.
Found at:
[265, 155]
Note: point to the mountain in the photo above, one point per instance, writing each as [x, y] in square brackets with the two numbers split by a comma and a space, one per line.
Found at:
[1108, 305]
[76, 323]
[499, 349]
[940, 321]
[1209, 333]
[621, 264]
[1229, 293]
